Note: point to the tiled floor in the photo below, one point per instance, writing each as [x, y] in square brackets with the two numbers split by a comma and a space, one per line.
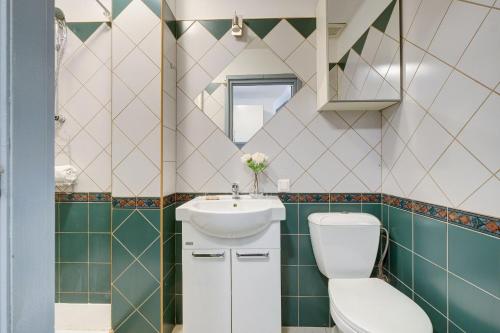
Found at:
[178, 329]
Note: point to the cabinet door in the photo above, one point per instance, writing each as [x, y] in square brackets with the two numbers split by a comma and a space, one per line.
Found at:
[256, 291]
[207, 291]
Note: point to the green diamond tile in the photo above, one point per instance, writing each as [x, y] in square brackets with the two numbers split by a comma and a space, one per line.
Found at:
[120, 309]
[218, 28]
[121, 259]
[83, 30]
[343, 61]
[169, 315]
[305, 26]
[153, 216]
[135, 324]
[151, 259]
[262, 26]
[383, 20]
[100, 278]
[100, 217]
[151, 309]
[136, 284]
[360, 43]
[182, 27]
[119, 6]
[120, 215]
[73, 247]
[154, 5]
[73, 217]
[136, 233]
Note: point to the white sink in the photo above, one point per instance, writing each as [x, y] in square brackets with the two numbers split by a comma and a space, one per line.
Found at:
[231, 218]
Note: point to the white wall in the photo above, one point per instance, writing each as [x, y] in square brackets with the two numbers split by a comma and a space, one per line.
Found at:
[83, 10]
[216, 9]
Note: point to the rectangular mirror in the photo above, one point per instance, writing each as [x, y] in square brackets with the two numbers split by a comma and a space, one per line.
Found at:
[359, 54]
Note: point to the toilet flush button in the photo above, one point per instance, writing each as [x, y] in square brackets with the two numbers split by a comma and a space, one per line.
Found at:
[283, 185]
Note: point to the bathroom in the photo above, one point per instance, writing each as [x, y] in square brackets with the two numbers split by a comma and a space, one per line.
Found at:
[295, 166]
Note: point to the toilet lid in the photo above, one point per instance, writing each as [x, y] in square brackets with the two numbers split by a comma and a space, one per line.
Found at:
[374, 306]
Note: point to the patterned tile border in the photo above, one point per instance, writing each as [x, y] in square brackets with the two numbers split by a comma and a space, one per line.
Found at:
[83, 197]
[136, 203]
[485, 224]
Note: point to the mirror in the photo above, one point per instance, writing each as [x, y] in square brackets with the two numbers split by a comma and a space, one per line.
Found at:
[362, 54]
[249, 91]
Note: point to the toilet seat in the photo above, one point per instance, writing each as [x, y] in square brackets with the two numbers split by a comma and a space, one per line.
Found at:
[374, 306]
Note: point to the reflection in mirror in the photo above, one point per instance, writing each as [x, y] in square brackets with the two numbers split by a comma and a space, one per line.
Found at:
[364, 50]
[249, 92]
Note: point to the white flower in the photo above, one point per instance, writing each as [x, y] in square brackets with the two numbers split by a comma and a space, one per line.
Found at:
[259, 158]
[245, 158]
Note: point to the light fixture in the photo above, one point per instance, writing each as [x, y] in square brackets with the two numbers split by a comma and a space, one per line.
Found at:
[237, 26]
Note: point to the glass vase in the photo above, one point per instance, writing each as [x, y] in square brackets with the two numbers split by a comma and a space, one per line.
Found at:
[255, 192]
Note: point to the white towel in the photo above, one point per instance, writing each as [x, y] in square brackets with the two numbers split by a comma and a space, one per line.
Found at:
[65, 175]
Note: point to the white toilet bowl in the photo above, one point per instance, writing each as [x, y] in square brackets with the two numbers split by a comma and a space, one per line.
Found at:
[345, 247]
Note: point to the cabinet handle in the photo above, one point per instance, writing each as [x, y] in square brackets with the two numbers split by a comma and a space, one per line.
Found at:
[252, 255]
[208, 255]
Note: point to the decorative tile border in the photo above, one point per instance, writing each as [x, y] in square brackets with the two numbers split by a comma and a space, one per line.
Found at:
[136, 203]
[314, 198]
[475, 221]
[430, 210]
[83, 197]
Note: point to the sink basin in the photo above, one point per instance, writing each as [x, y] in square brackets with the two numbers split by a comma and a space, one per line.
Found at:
[231, 218]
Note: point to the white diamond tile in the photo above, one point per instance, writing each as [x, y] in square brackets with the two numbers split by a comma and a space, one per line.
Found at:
[351, 65]
[184, 148]
[361, 73]
[151, 146]
[351, 116]
[408, 172]
[136, 21]
[283, 127]
[121, 146]
[458, 173]
[313, 83]
[368, 171]
[388, 92]
[264, 143]
[196, 41]
[169, 175]
[480, 59]
[83, 149]
[100, 85]
[169, 112]
[216, 59]
[371, 44]
[407, 118]
[152, 189]
[481, 135]
[307, 184]
[393, 26]
[151, 96]
[194, 82]
[408, 15]
[119, 189]
[297, 62]
[236, 172]
[136, 70]
[428, 191]
[137, 171]
[100, 172]
[237, 44]
[385, 54]
[392, 147]
[284, 167]
[73, 43]
[83, 64]
[484, 2]
[303, 105]
[485, 199]
[412, 57]
[457, 102]
[121, 46]
[328, 171]
[305, 148]
[427, 20]
[429, 142]
[169, 145]
[218, 149]
[393, 76]
[391, 187]
[216, 184]
[84, 184]
[170, 80]
[151, 47]
[313, 39]
[328, 127]
[372, 85]
[184, 105]
[100, 128]
[197, 127]
[83, 106]
[67, 131]
[368, 127]
[284, 39]
[351, 184]
[121, 96]
[136, 121]
[181, 186]
[350, 148]
[68, 86]
[184, 62]
[429, 78]
[100, 43]
[454, 34]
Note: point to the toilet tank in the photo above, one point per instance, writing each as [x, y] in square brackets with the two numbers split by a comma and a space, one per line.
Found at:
[344, 244]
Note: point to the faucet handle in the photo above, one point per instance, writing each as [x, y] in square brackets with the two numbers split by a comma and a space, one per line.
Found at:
[236, 185]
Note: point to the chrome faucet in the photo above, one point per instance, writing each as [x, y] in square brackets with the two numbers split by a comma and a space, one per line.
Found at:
[235, 189]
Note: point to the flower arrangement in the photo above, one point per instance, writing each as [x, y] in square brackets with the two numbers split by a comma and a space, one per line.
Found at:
[257, 162]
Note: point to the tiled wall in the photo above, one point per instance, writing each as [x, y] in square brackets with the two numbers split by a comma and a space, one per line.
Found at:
[304, 289]
[83, 251]
[169, 265]
[451, 271]
[84, 100]
[318, 152]
[440, 144]
[371, 68]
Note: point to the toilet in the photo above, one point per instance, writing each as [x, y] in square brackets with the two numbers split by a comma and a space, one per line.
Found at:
[345, 247]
